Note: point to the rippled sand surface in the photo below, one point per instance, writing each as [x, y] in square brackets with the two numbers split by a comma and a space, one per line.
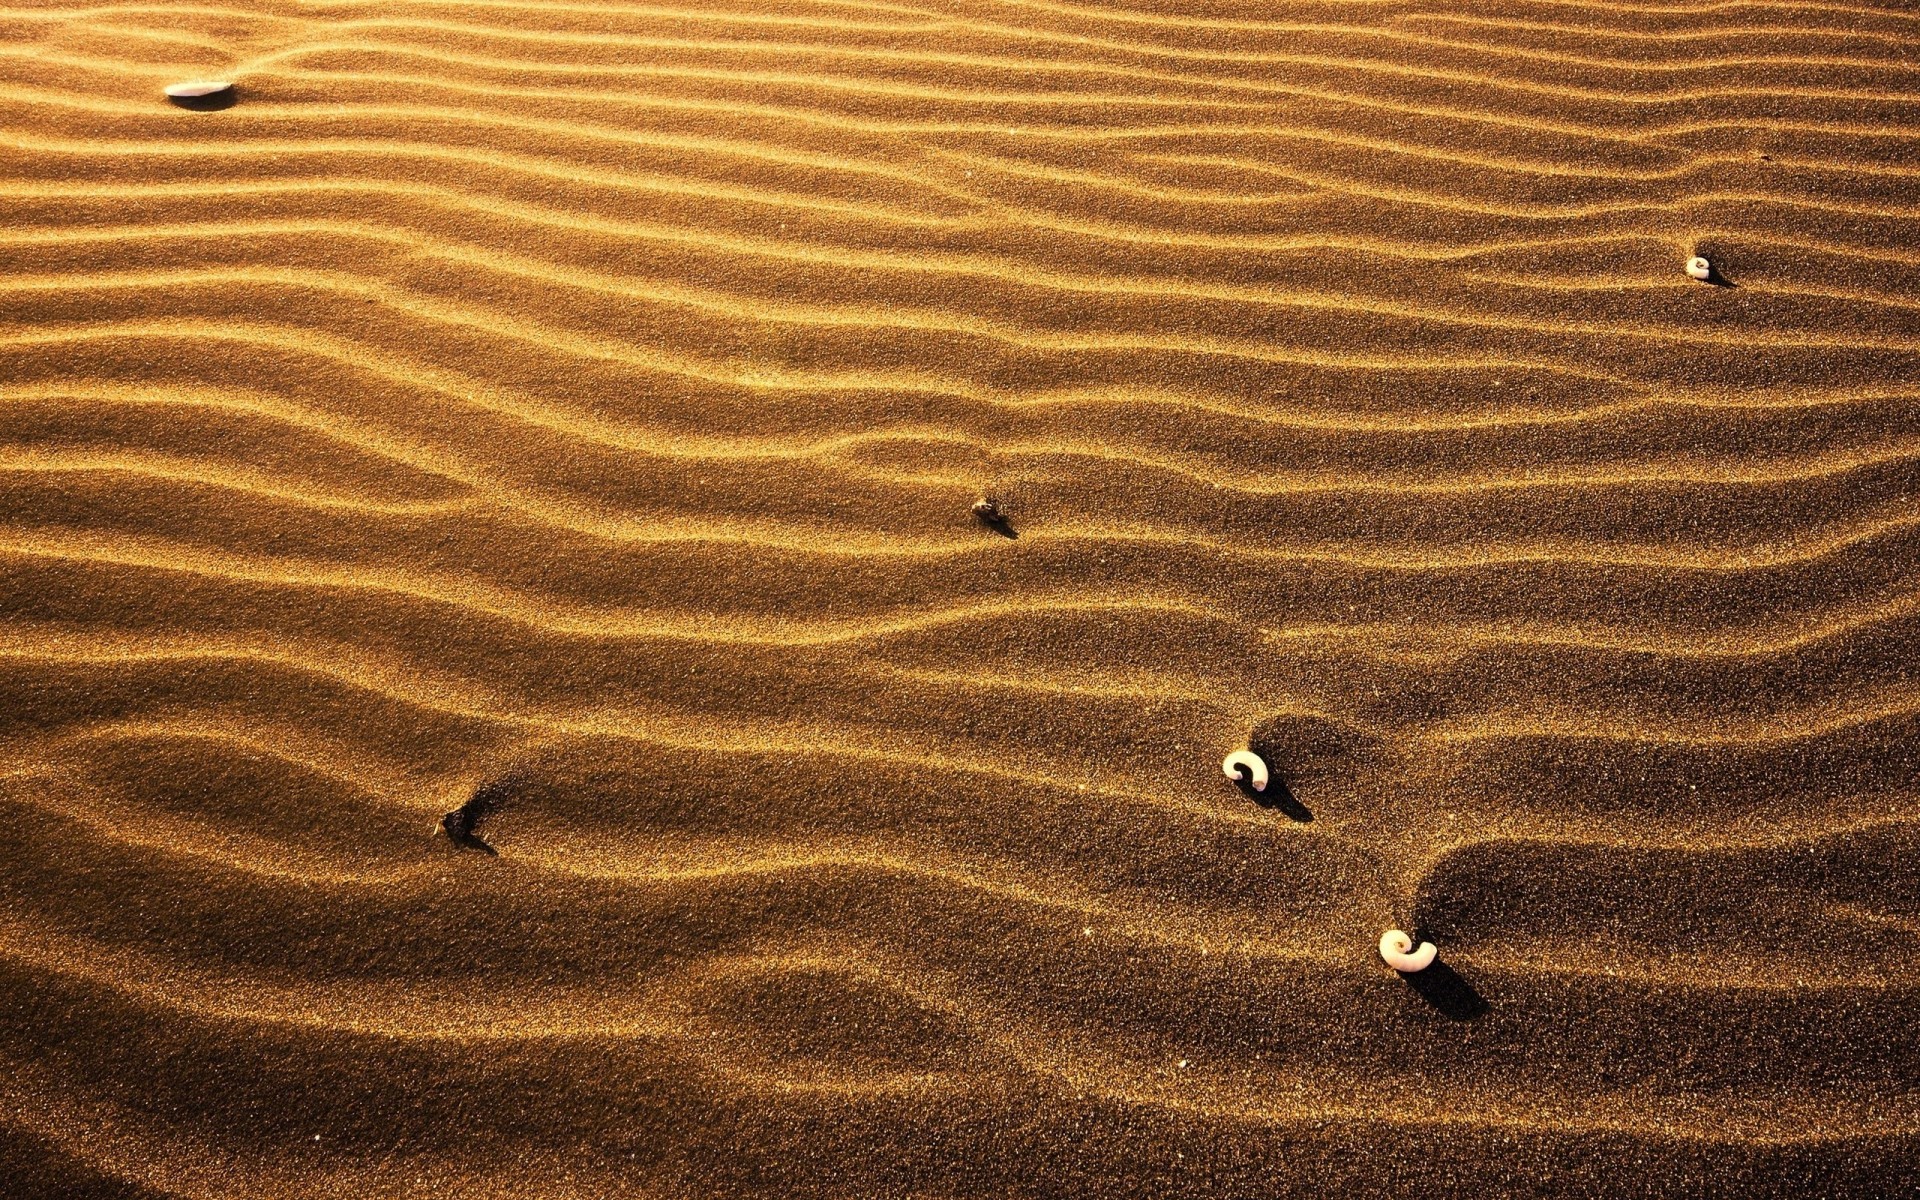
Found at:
[581, 404]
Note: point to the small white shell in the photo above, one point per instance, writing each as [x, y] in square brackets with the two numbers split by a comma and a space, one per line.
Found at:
[1397, 949]
[197, 87]
[1699, 268]
[1248, 761]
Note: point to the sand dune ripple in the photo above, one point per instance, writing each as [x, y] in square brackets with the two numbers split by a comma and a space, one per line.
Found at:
[584, 402]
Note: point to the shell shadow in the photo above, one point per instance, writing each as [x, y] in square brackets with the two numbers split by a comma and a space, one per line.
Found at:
[1715, 275]
[213, 103]
[462, 824]
[1442, 987]
[999, 524]
[1278, 796]
[1303, 750]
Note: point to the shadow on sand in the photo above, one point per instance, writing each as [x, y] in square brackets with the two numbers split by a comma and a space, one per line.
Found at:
[1441, 986]
[213, 103]
[462, 824]
[1278, 797]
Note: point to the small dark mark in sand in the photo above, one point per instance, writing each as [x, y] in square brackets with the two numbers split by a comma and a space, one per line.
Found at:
[461, 825]
[993, 516]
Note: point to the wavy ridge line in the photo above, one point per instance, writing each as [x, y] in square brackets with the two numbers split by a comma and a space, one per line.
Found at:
[938, 262]
[1066, 133]
[840, 449]
[929, 261]
[656, 531]
[581, 173]
[665, 727]
[948, 21]
[938, 20]
[474, 596]
[158, 833]
[1719, 33]
[339, 34]
[1136, 918]
[672, 728]
[416, 376]
[1212, 24]
[1083, 1071]
[737, 306]
[1326, 181]
[340, 38]
[201, 473]
[947, 18]
[657, 359]
[576, 174]
[1720, 974]
[482, 599]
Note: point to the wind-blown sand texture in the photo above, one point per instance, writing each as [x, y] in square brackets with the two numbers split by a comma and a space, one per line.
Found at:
[584, 401]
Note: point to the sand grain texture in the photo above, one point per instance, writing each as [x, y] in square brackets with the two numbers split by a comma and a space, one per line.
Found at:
[584, 401]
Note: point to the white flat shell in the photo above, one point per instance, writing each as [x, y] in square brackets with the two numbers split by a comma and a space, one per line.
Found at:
[198, 87]
[1699, 268]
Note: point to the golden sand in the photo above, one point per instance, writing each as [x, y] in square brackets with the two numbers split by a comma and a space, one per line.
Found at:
[585, 402]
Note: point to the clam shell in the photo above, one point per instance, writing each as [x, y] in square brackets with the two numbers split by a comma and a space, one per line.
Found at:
[196, 88]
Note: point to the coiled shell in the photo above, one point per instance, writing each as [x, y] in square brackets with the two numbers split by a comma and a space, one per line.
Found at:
[1249, 762]
[1396, 948]
[1699, 268]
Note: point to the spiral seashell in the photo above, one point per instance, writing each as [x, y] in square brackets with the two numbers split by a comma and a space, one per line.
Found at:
[194, 89]
[1251, 763]
[1699, 268]
[1397, 949]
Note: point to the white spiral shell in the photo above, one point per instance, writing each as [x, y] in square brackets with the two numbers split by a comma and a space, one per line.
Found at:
[196, 88]
[1251, 763]
[1699, 268]
[1397, 949]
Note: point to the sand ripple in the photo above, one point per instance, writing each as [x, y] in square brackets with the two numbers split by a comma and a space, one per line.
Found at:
[586, 400]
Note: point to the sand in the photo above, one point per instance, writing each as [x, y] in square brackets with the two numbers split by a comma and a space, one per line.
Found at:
[583, 404]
